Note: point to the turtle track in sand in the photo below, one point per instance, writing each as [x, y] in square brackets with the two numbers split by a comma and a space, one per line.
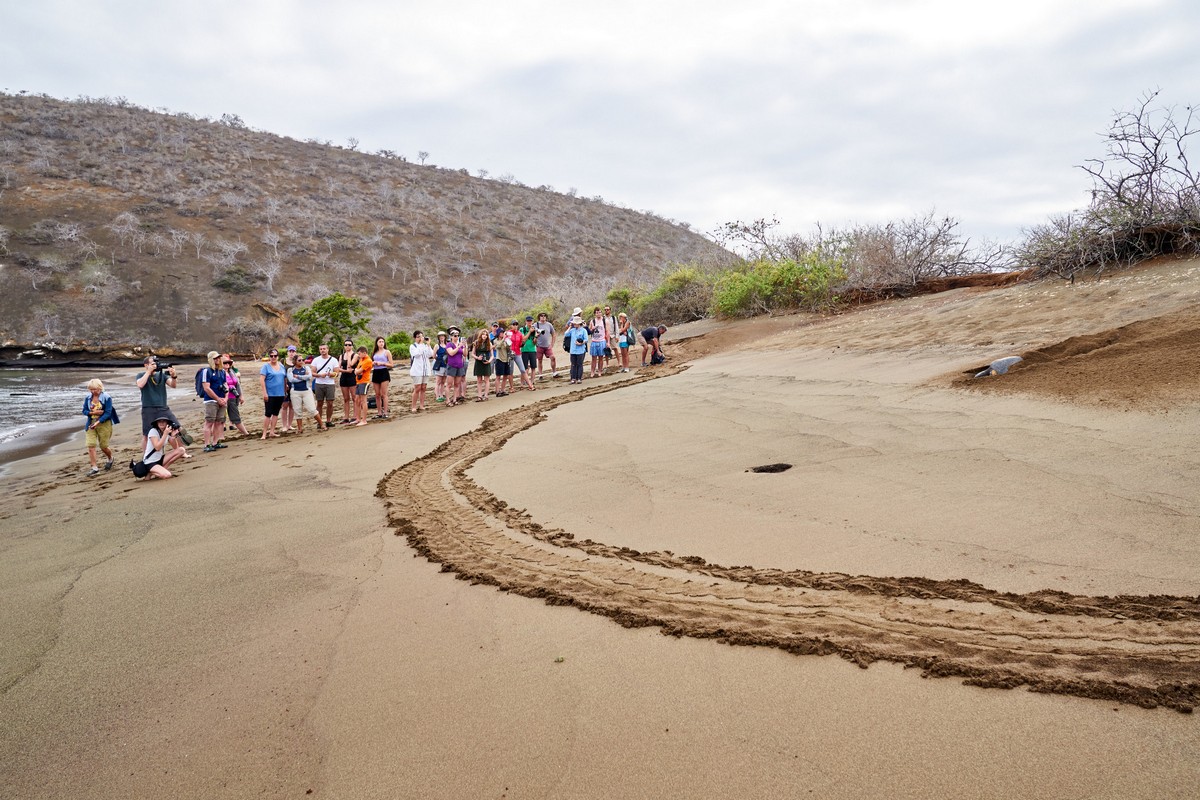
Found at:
[1129, 649]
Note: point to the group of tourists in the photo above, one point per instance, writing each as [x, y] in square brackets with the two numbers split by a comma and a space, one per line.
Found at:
[296, 388]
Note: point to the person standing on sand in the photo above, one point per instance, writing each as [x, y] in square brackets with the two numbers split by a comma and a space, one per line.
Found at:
[324, 368]
[544, 341]
[624, 339]
[273, 378]
[381, 375]
[502, 358]
[610, 334]
[421, 369]
[154, 456]
[528, 351]
[287, 413]
[481, 356]
[153, 383]
[346, 380]
[456, 368]
[300, 381]
[213, 388]
[439, 368]
[577, 338]
[598, 341]
[233, 393]
[100, 418]
[363, 367]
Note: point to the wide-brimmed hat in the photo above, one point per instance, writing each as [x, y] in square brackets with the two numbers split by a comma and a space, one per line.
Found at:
[577, 311]
[576, 320]
[163, 419]
[442, 333]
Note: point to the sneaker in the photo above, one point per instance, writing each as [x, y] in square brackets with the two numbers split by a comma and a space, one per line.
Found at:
[220, 446]
[208, 448]
[108, 465]
[93, 472]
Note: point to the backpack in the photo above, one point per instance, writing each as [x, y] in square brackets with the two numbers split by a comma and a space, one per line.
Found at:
[139, 469]
[567, 342]
[200, 383]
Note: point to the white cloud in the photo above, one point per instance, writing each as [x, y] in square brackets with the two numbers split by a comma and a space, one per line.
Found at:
[702, 111]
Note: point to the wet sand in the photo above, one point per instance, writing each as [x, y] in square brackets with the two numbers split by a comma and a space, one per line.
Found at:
[286, 616]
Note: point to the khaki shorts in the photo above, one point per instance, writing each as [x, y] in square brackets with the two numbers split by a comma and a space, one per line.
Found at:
[100, 435]
[324, 392]
[214, 412]
[304, 404]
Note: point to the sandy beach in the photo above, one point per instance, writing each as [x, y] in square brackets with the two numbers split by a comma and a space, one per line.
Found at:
[959, 588]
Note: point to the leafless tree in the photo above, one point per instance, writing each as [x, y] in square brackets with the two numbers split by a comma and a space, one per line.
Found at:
[37, 274]
[271, 239]
[422, 156]
[268, 269]
[124, 225]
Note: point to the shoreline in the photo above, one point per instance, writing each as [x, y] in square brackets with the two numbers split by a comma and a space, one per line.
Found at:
[43, 439]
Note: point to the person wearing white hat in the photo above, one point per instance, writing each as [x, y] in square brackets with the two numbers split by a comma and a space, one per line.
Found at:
[577, 338]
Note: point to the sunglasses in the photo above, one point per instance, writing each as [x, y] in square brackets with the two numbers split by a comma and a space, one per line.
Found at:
[227, 363]
[273, 355]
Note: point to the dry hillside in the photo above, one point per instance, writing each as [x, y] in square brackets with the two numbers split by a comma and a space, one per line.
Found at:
[120, 225]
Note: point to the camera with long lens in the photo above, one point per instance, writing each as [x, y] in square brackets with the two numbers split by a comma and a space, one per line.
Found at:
[161, 367]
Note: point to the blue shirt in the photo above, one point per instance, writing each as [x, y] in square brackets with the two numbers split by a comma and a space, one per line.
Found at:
[276, 378]
[579, 339]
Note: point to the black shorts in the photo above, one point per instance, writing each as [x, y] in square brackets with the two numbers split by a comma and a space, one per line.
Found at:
[346, 380]
[529, 360]
[272, 406]
[380, 375]
[503, 368]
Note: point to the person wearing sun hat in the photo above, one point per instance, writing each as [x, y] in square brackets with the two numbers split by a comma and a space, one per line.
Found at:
[213, 387]
[577, 338]
[156, 458]
[456, 367]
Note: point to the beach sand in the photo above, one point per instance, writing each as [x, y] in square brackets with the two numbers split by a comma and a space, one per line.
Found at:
[285, 619]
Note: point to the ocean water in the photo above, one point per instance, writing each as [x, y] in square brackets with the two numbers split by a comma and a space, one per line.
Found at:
[39, 407]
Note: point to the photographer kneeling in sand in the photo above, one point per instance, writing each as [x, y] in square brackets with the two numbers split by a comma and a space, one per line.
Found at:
[156, 458]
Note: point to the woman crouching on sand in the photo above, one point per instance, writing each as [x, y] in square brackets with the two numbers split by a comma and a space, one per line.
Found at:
[156, 457]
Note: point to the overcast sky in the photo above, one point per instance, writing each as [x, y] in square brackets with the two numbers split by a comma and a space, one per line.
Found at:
[705, 112]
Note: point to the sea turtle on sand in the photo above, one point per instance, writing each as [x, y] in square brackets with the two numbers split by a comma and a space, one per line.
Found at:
[999, 367]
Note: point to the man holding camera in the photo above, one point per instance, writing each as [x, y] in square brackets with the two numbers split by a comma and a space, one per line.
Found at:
[154, 382]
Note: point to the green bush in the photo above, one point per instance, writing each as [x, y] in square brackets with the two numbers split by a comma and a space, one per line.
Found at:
[236, 279]
[765, 285]
[683, 296]
[398, 343]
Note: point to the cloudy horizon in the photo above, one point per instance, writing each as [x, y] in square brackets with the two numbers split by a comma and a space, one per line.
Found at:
[700, 112]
